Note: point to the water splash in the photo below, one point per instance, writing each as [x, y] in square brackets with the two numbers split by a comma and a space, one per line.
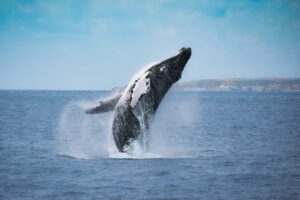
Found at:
[80, 135]
[85, 136]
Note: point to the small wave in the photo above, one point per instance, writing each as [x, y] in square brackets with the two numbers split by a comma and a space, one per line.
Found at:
[76, 156]
[162, 173]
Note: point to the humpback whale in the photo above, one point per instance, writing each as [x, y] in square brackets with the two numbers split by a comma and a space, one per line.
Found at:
[135, 107]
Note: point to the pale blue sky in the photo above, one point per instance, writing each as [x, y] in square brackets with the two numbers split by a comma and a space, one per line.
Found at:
[101, 44]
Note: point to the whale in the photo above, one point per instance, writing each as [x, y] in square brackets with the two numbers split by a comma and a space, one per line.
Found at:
[134, 108]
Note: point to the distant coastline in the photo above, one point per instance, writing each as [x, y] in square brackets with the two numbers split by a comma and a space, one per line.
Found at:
[237, 84]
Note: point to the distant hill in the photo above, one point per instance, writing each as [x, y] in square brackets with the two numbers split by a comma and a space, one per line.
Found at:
[237, 84]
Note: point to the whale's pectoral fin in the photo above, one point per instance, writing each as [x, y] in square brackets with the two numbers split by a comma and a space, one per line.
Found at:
[104, 106]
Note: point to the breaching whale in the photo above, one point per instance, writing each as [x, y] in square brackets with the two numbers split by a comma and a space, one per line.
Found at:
[135, 107]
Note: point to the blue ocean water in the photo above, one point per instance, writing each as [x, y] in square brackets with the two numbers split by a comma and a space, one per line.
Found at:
[202, 145]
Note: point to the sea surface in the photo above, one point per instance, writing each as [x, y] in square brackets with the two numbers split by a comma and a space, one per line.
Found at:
[202, 145]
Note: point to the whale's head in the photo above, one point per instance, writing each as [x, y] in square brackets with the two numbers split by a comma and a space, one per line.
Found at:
[181, 59]
[175, 65]
[165, 73]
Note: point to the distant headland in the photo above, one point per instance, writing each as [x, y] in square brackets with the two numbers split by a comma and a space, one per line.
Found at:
[238, 84]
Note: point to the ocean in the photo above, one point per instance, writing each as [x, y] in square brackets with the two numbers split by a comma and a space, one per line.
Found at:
[202, 145]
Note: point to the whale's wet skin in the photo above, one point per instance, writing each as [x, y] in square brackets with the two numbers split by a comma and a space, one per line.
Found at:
[136, 106]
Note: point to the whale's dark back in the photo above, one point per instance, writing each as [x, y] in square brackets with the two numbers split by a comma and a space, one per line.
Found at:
[131, 122]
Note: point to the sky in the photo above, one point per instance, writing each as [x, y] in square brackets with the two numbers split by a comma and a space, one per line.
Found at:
[97, 45]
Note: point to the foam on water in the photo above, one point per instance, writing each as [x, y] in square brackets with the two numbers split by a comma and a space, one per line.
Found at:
[85, 136]
[80, 135]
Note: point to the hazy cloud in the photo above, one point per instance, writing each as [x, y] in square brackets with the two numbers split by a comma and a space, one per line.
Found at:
[100, 44]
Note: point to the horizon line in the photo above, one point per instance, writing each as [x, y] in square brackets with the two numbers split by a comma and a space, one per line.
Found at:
[110, 89]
